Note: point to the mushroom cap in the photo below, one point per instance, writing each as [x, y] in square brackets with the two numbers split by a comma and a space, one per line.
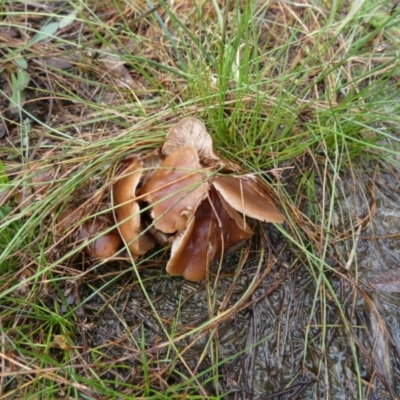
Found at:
[211, 231]
[190, 132]
[175, 189]
[248, 195]
[127, 210]
[106, 245]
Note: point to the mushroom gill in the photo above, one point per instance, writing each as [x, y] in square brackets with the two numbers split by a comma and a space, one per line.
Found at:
[175, 189]
[190, 132]
[127, 210]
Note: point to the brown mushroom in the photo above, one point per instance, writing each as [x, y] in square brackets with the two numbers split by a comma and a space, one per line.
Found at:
[127, 210]
[206, 213]
[248, 195]
[207, 236]
[175, 189]
[104, 246]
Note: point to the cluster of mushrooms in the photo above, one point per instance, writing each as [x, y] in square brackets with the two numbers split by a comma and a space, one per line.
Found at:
[185, 195]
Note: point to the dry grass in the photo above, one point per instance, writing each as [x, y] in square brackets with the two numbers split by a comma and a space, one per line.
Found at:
[304, 95]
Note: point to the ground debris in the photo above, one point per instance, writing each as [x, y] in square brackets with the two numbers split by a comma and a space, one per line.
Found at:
[387, 281]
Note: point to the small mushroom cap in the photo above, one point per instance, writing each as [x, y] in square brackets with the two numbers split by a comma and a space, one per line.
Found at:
[248, 195]
[106, 245]
[175, 189]
[190, 132]
[127, 210]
